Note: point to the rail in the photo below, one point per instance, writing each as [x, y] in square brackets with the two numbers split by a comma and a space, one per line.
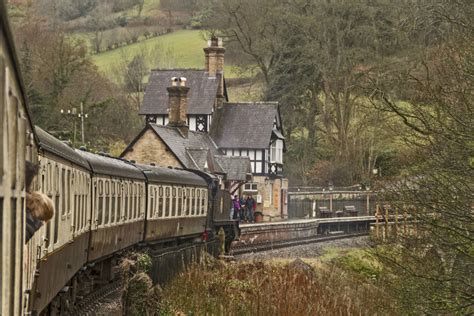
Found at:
[271, 245]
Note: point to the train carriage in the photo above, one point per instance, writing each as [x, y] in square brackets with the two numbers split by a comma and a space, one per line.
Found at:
[177, 203]
[61, 245]
[18, 145]
[118, 205]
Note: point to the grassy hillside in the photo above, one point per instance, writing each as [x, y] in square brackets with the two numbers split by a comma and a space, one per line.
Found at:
[181, 49]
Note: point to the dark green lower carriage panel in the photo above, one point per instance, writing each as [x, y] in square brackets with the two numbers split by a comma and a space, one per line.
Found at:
[56, 269]
[165, 228]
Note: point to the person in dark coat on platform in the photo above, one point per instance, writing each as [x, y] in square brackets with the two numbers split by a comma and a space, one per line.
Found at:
[250, 203]
[242, 209]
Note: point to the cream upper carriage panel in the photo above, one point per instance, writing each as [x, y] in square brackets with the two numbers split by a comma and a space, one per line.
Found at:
[175, 193]
[18, 144]
[118, 191]
[64, 176]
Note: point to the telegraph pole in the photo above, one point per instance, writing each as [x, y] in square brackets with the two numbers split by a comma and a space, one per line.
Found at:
[73, 113]
[82, 115]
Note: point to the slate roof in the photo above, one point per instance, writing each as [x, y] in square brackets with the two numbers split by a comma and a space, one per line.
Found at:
[201, 96]
[49, 143]
[244, 125]
[236, 168]
[111, 166]
[171, 175]
[204, 159]
[180, 145]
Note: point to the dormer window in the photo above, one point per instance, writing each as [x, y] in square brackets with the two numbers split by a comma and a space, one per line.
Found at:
[276, 151]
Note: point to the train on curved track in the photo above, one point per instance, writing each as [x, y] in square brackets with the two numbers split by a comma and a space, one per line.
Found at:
[103, 206]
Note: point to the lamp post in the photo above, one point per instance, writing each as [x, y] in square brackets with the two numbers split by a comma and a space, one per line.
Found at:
[368, 200]
[82, 115]
[330, 187]
[73, 113]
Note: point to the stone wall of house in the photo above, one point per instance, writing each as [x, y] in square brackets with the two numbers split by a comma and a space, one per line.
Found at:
[151, 149]
[270, 202]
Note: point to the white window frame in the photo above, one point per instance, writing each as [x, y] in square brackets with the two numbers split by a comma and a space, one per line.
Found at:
[276, 151]
[251, 187]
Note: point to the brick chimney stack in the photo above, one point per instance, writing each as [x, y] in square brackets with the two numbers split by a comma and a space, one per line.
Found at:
[178, 104]
[215, 65]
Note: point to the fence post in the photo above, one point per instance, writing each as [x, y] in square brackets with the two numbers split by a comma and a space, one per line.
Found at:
[377, 221]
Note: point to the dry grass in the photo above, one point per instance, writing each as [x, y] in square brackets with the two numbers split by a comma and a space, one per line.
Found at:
[258, 288]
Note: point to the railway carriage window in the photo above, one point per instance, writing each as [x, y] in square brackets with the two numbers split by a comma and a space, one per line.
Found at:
[77, 194]
[193, 196]
[68, 196]
[125, 206]
[82, 210]
[112, 202]
[151, 201]
[139, 201]
[203, 202]
[100, 199]
[47, 235]
[160, 201]
[185, 201]
[43, 188]
[167, 199]
[56, 179]
[49, 178]
[130, 200]
[62, 192]
[135, 201]
[173, 203]
[155, 205]
[119, 201]
[180, 201]
[84, 204]
[56, 222]
[198, 202]
[107, 202]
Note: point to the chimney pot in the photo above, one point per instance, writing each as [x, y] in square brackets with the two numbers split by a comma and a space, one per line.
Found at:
[174, 81]
[214, 42]
[182, 81]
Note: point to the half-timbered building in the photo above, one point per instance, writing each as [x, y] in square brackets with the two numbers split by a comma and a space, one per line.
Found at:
[190, 123]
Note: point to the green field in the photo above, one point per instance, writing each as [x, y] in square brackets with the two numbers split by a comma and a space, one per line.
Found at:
[181, 49]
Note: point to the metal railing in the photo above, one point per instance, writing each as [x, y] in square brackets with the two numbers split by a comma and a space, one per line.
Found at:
[329, 203]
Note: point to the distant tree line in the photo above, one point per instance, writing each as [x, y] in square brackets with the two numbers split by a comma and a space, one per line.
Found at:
[59, 75]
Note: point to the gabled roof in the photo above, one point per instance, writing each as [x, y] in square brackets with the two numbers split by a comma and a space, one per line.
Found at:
[244, 125]
[180, 145]
[236, 168]
[198, 151]
[201, 96]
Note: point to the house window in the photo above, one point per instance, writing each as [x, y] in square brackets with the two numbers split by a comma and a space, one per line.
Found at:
[276, 151]
[250, 187]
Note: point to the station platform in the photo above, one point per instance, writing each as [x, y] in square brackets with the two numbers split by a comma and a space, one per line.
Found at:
[301, 228]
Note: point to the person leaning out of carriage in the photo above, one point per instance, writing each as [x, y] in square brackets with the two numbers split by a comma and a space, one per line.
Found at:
[39, 207]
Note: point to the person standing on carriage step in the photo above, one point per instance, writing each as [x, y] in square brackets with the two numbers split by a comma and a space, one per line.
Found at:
[39, 207]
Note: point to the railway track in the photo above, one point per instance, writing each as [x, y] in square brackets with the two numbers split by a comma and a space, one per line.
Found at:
[271, 245]
[93, 302]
